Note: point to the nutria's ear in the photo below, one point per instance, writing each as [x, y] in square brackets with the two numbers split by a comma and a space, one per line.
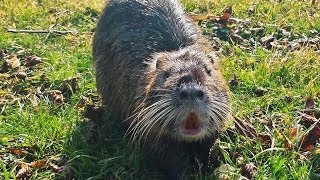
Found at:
[162, 60]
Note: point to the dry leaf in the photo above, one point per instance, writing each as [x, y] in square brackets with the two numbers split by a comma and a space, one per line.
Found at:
[265, 139]
[309, 103]
[54, 168]
[24, 171]
[234, 80]
[14, 62]
[20, 75]
[84, 101]
[39, 163]
[260, 91]
[249, 170]
[57, 97]
[266, 40]
[224, 19]
[16, 151]
[92, 112]
[309, 139]
[252, 9]
[294, 132]
[34, 100]
[32, 61]
[245, 128]
[69, 85]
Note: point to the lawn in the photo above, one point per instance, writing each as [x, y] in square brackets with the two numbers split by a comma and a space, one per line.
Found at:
[52, 125]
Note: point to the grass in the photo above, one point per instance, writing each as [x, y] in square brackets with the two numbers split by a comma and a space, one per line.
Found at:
[50, 130]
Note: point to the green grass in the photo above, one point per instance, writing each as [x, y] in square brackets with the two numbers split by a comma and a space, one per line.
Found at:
[52, 130]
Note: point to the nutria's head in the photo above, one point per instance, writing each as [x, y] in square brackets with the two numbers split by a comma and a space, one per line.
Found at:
[185, 99]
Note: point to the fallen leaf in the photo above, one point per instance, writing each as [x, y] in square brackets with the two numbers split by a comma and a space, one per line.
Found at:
[32, 61]
[265, 139]
[294, 132]
[309, 103]
[69, 85]
[234, 81]
[224, 19]
[14, 62]
[92, 112]
[57, 97]
[249, 170]
[83, 102]
[310, 138]
[224, 172]
[24, 172]
[54, 168]
[309, 116]
[39, 163]
[16, 151]
[260, 91]
[266, 40]
[20, 75]
[34, 100]
[245, 128]
[252, 9]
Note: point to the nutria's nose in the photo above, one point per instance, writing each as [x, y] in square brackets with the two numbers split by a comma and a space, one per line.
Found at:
[190, 92]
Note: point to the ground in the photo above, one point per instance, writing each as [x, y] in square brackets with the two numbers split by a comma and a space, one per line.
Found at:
[49, 106]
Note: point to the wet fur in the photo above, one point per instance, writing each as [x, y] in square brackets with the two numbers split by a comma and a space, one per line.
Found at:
[136, 44]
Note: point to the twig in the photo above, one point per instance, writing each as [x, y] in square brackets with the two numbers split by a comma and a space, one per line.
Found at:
[40, 31]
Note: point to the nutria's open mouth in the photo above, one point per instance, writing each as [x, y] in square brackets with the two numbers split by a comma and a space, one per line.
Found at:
[191, 125]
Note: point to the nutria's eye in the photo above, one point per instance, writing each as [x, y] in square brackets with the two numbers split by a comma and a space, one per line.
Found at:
[166, 74]
[208, 71]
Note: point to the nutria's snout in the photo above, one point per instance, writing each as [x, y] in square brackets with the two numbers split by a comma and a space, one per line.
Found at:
[192, 121]
[190, 92]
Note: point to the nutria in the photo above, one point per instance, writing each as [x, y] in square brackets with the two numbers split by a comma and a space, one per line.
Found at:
[155, 70]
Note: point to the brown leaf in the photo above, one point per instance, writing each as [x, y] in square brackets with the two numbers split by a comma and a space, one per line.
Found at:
[260, 91]
[309, 103]
[294, 132]
[84, 101]
[224, 19]
[16, 151]
[309, 140]
[32, 61]
[24, 171]
[309, 116]
[14, 62]
[266, 40]
[245, 128]
[34, 100]
[252, 9]
[57, 97]
[54, 168]
[20, 75]
[92, 112]
[265, 139]
[39, 163]
[249, 170]
[69, 85]
[234, 81]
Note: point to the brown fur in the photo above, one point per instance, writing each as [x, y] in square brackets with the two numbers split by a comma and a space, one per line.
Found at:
[146, 53]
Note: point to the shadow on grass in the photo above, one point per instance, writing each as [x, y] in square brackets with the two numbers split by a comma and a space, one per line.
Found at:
[97, 149]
